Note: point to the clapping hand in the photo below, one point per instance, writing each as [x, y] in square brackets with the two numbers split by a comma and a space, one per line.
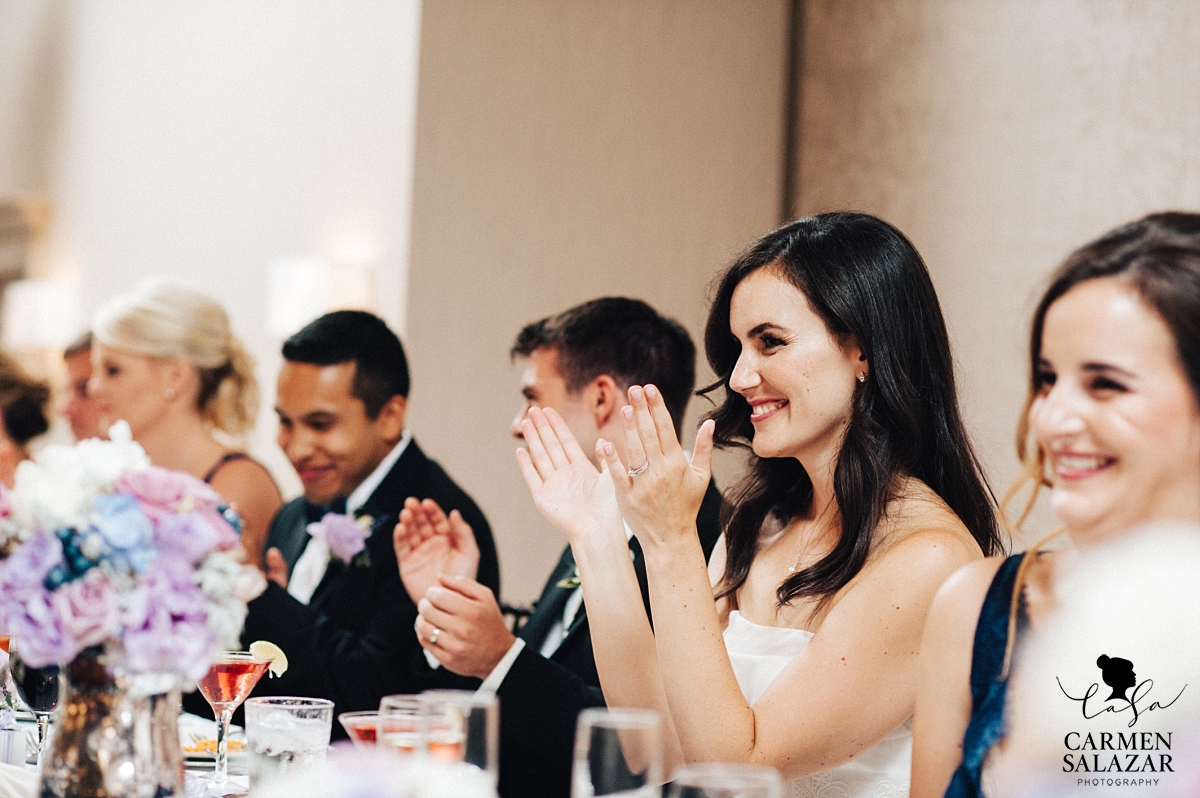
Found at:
[567, 488]
[430, 544]
[659, 492]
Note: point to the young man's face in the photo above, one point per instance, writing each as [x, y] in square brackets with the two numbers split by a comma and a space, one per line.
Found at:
[542, 385]
[325, 431]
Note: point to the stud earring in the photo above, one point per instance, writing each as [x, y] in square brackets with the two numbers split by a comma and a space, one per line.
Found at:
[862, 376]
[169, 394]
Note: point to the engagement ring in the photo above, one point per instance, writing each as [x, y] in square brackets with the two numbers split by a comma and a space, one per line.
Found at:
[633, 472]
[433, 637]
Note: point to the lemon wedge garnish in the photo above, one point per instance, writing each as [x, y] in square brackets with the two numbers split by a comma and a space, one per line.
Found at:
[277, 662]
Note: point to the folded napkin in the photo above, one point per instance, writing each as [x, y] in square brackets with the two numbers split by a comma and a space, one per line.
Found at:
[17, 782]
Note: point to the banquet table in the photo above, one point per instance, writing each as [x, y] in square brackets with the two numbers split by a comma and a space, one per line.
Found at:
[21, 781]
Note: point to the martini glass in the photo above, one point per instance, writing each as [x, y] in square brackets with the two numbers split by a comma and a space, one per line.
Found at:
[225, 687]
[38, 689]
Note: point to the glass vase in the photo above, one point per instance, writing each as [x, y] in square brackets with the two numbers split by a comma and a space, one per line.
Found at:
[114, 736]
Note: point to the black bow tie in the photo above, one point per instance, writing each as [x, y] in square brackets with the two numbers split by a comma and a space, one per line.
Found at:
[315, 512]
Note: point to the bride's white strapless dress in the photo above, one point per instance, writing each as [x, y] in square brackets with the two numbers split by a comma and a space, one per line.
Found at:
[758, 654]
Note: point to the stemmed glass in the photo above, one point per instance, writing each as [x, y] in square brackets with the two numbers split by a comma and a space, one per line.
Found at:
[38, 689]
[225, 687]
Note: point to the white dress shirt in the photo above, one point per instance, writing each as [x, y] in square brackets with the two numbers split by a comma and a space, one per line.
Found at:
[310, 567]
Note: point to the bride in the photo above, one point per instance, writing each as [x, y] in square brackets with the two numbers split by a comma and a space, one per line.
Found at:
[862, 495]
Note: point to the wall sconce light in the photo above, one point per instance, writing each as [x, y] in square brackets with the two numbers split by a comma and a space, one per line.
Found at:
[301, 289]
[40, 314]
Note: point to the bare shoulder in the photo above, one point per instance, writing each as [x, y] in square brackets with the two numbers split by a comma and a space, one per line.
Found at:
[922, 531]
[244, 478]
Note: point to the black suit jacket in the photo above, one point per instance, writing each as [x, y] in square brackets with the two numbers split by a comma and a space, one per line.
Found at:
[353, 642]
[541, 698]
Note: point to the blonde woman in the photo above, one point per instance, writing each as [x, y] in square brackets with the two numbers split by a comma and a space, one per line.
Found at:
[166, 362]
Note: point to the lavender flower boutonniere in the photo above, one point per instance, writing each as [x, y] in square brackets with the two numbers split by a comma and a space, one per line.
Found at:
[345, 536]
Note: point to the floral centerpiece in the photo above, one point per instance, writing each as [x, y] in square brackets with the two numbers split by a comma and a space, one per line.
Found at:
[119, 569]
[107, 549]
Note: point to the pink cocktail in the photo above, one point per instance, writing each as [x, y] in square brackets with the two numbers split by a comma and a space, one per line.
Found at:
[225, 686]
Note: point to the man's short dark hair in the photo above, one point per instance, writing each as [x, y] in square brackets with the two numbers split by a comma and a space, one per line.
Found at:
[624, 338]
[345, 336]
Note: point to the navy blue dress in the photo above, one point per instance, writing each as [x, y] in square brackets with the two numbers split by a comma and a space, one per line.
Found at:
[988, 689]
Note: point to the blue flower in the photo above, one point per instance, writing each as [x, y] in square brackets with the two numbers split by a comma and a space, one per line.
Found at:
[120, 521]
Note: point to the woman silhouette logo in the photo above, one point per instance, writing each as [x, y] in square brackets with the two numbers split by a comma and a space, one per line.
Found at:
[1118, 674]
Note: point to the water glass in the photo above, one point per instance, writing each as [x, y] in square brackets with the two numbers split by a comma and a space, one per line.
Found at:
[617, 751]
[462, 726]
[721, 780]
[400, 724]
[284, 733]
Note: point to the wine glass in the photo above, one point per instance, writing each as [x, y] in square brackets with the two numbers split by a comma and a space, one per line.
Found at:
[225, 687]
[38, 689]
[462, 726]
[721, 780]
[617, 751]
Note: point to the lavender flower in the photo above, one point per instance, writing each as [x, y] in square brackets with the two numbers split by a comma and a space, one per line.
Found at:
[342, 534]
[87, 609]
[166, 621]
[191, 536]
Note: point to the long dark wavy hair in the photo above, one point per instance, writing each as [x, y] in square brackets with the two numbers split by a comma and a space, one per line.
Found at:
[868, 284]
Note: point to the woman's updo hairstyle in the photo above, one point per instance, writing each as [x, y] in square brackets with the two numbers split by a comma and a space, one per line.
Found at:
[163, 319]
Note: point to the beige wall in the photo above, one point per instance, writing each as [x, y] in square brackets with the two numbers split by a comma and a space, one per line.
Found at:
[999, 135]
[568, 149]
[205, 140]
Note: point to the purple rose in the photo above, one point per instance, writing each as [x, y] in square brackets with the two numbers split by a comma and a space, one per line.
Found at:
[166, 622]
[190, 536]
[22, 574]
[160, 491]
[87, 609]
[342, 534]
[36, 625]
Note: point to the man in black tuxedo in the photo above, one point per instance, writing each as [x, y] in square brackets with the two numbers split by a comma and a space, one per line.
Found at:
[580, 362]
[346, 626]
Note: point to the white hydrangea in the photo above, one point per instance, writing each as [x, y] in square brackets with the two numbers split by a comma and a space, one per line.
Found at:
[57, 489]
[228, 584]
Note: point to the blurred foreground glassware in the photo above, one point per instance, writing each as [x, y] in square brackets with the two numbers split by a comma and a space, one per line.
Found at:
[722, 780]
[284, 733]
[225, 687]
[618, 752]
[38, 689]
[462, 726]
[363, 727]
[400, 724]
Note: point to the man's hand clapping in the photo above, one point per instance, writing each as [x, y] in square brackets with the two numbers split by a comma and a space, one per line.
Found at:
[429, 544]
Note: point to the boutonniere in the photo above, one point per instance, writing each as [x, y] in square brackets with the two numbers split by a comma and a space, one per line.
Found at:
[571, 582]
[346, 537]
